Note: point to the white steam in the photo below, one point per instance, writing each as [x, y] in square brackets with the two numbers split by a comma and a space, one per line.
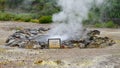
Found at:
[69, 20]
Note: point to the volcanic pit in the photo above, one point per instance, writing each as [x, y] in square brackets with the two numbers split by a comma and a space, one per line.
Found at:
[38, 38]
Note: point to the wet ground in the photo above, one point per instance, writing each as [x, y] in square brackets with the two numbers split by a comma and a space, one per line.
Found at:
[13, 57]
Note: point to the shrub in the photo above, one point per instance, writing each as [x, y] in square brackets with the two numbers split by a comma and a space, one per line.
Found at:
[23, 17]
[17, 17]
[26, 19]
[6, 16]
[110, 24]
[99, 25]
[45, 19]
[34, 20]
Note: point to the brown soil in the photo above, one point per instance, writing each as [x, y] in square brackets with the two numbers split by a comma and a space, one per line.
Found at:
[13, 57]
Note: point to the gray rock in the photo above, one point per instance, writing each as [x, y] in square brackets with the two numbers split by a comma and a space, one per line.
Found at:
[35, 38]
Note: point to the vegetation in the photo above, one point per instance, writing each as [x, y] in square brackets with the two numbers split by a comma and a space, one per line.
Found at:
[28, 10]
[108, 24]
[106, 15]
[45, 19]
[40, 11]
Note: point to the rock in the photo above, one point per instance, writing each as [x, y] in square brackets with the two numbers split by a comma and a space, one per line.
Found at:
[34, 31]
[38, 62]
[36, 39]
[24, 38]
[13, 43]
[93, 33]
[43, 29]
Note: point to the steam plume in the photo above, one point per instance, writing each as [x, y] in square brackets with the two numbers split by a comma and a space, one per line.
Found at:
[69, 20]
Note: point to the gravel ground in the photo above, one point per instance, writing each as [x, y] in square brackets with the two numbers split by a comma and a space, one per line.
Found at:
[13, 57]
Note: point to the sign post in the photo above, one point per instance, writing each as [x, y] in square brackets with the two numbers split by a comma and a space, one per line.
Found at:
[54, 43]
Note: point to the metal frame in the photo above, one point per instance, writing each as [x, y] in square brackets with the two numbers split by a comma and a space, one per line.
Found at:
[54, 39]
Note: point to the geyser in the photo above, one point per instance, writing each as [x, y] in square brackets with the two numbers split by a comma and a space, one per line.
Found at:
[68, 28]
[68, 22]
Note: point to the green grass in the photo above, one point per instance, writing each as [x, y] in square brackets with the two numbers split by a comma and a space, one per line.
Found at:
[6, 16]
[45, 19]
[108, 24]
[24, 17]
[34, 20]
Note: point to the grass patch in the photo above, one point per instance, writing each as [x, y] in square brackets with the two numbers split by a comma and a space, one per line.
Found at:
[45, 19]
[25, 17]
[34, 20]
[108, 24]
[6, 16]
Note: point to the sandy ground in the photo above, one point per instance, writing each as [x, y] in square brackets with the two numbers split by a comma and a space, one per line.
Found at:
[13, 57]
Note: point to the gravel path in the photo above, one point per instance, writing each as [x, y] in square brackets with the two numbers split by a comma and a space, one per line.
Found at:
[13, 57]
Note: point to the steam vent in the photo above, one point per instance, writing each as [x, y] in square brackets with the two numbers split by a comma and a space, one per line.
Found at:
[38, 38]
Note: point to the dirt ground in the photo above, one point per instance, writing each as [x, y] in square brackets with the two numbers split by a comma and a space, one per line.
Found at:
[13, 57]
